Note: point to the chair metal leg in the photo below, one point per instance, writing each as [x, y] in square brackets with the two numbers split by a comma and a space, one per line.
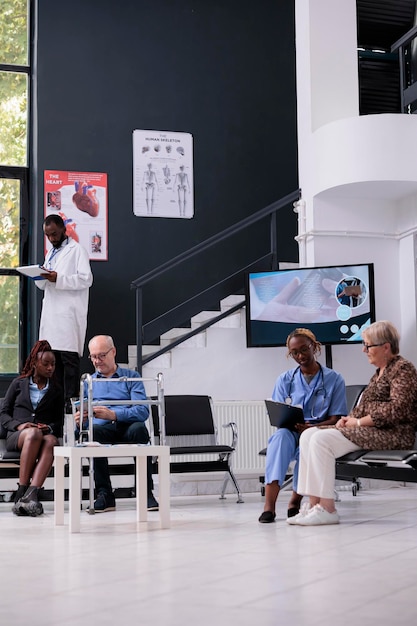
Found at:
[230, 476]
[287, 483]
[224, 485]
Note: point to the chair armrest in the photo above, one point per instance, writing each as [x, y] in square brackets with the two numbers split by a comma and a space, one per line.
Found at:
[233, 427]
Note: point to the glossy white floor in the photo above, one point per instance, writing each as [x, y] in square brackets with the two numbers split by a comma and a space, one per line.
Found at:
[215, 565]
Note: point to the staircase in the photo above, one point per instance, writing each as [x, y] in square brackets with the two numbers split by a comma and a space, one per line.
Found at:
[229, 280]
[215, 362]
[164, 362]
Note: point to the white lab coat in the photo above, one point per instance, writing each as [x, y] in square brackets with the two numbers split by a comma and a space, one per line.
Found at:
[65, 303]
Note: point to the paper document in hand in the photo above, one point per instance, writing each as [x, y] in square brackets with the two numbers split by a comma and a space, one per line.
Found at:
[33, 271]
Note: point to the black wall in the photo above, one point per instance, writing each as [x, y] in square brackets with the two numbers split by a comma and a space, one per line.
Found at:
[223, 70]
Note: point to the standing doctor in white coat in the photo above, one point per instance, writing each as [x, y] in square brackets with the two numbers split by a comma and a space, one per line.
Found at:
[65, 303]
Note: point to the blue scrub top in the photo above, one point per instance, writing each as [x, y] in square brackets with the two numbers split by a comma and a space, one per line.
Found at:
[323, 397]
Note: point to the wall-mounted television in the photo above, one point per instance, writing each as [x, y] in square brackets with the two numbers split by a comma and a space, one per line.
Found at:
[335, 302]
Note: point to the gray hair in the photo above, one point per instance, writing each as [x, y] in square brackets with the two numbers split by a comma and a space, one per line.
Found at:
[383, 332]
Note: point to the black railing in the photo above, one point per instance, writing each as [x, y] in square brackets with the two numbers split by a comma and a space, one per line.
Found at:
[206, 298]
[407, 57]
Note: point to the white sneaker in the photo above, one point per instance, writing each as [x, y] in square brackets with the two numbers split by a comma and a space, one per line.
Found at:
[304, 510]
[317, 516]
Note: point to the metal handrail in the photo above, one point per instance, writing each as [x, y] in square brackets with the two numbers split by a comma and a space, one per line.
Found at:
[408, 93]
[211, 241]
[405, 39]
[268, 211]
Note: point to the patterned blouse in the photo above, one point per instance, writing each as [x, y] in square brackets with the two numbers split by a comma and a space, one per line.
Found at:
[391, 401]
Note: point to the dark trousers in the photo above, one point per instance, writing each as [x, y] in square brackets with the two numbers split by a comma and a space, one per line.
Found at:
[67, 372]
[118, 432]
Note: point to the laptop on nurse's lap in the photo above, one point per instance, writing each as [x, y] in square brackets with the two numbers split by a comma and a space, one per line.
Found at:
[282, 415]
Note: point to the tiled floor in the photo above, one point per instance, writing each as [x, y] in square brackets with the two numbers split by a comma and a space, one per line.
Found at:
[216, 565]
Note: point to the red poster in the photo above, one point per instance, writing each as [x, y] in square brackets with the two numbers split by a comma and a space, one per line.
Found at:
[80, 198]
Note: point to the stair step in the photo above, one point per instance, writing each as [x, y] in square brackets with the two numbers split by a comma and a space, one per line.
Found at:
[232, 321]
[203, 317]
[146, 350]
[235, 320]
[160, 362]
[174, 333]
[198, 341]
[230, 301]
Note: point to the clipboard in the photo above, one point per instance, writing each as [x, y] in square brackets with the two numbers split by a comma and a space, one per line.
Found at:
[33, 271]
[282, 415]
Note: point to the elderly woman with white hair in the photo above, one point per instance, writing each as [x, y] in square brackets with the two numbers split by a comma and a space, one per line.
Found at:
[385, 419]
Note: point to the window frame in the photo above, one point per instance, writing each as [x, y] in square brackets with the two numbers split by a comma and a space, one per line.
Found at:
[23, 174]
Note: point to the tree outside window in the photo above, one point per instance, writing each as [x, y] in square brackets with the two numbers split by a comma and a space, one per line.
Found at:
[14, 83]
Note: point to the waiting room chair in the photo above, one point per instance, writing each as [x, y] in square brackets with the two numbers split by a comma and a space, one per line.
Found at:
[190, 429]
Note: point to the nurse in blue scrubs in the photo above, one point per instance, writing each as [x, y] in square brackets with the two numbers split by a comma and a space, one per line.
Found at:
[320, 392]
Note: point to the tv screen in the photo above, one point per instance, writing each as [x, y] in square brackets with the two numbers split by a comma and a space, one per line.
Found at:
[335, 302]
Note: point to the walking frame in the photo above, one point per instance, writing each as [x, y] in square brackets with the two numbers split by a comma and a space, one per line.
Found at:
[86, 403]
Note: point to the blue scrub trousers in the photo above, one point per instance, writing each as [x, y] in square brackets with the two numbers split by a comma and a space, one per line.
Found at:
[282, 449]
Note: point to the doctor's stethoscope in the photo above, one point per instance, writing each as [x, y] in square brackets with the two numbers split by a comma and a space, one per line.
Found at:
[318, 389]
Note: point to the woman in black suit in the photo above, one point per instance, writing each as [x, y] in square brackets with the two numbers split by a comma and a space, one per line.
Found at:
[32, 413]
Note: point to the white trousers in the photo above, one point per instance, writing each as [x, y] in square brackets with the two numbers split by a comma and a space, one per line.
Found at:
[318, 450]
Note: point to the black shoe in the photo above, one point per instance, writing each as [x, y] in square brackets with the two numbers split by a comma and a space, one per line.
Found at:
[29, 503]
[105, 502]
[293, 511]
[152, 503]
[267, 517]
[21, 490]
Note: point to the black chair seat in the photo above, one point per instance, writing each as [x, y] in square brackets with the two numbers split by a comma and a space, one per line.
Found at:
[350, 457]
[385, 456]
[5, 455]
[218, 449]
[10, 456]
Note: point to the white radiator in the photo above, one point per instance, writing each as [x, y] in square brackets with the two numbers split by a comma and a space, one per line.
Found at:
[253, 429]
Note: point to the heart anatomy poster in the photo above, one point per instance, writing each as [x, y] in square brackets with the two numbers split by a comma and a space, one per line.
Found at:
[80, 198]
[163, 174]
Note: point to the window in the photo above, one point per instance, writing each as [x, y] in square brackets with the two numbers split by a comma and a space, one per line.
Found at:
[14, 97]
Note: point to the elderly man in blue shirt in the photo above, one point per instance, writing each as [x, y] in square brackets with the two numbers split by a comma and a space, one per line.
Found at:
[116, 424]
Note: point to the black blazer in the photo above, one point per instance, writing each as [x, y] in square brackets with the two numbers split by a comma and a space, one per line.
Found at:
[17, 408]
